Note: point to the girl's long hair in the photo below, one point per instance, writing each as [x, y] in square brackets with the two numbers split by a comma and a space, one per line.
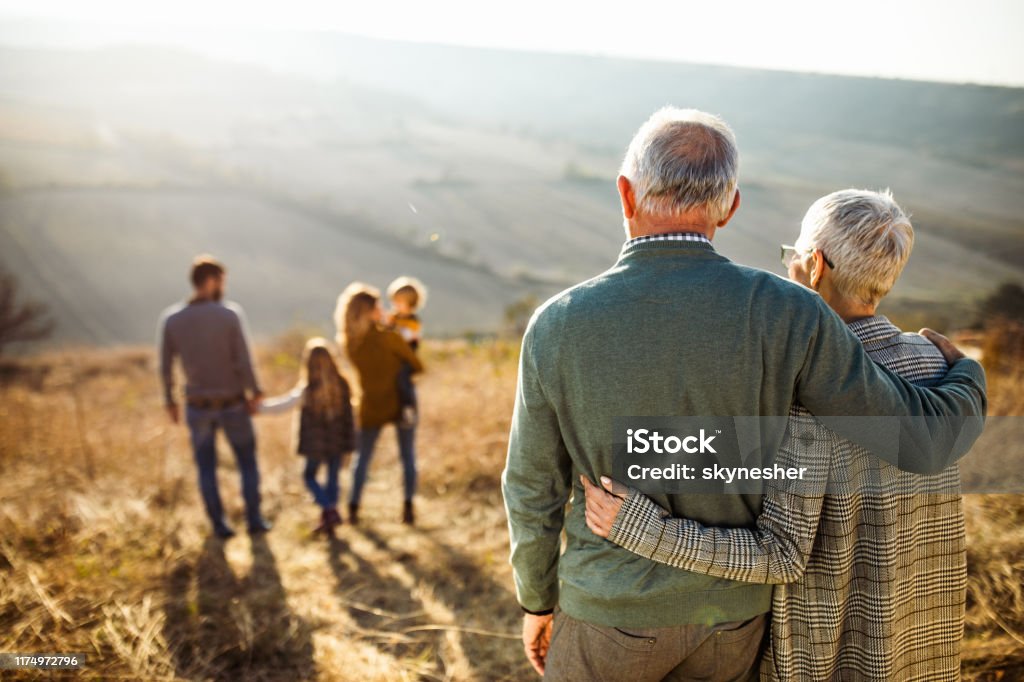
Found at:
[353, 316]
[326, 390]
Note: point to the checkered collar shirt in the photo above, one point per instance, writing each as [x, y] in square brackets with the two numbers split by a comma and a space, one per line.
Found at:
[669, 237]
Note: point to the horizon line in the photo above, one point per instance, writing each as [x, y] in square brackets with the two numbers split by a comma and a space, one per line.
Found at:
[166, 42]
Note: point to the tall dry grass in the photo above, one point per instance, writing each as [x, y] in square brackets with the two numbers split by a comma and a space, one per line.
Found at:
[104, 547]
[994, 644]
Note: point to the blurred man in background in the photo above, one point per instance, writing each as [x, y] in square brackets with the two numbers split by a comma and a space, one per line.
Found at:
[221, 390]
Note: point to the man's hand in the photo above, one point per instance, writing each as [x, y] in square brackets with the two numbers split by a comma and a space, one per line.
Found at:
[252, 405]
[603, 505]
[537, 639]
[945, 346]
[174, 413]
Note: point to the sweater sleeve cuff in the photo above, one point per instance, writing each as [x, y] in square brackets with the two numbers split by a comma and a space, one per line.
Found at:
[970, 368]
[542, 612]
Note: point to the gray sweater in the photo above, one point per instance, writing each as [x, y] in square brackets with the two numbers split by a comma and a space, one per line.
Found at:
[210, 339]
[673, 328]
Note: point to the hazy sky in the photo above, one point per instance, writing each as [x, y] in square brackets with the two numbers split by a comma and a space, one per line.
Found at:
[977, 41]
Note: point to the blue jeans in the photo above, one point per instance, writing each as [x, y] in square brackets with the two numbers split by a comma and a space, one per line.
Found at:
[237, 425]
[325, 496]
[406, 387]
[406, 450]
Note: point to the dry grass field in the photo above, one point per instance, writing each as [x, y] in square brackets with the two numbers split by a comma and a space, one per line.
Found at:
[104, 546]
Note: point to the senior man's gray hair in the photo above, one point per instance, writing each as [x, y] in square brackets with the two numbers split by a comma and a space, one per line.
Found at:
[682, 159]
[865, 234]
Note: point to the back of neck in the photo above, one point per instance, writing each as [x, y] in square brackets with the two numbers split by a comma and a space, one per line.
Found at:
[650, 229]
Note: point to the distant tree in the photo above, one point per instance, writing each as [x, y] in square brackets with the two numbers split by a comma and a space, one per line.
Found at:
[20, 321]
[1005, 303]
[518, 314]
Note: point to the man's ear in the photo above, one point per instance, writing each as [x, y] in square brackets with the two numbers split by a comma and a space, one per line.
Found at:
[627, 197]
[817, 268]
[732, 211]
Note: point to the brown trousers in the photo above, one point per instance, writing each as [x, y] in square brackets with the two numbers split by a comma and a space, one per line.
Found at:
[727, 652]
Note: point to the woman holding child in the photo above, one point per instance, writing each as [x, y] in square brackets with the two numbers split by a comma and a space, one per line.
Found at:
[385, 359]
[380, 356]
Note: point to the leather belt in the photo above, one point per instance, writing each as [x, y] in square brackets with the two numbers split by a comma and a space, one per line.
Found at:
[215, 403]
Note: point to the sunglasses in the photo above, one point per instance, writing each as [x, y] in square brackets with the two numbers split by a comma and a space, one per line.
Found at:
[788, 252]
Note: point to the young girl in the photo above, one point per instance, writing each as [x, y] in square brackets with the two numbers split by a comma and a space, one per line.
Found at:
[325, 432]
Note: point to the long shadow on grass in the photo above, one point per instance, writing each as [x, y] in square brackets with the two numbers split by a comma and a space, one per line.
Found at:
[476, 599]
[221, 627]
[383, 609]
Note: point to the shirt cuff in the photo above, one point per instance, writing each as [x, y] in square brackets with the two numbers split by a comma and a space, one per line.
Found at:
[543, 612]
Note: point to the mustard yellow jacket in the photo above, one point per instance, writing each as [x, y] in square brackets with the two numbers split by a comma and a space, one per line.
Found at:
[377, 359]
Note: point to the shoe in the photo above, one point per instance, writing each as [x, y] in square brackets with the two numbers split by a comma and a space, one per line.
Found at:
[333, 517]
[353, 514]
[409, 417]
[223, 530]
[325, 522]
[408, 516]
[260, 526]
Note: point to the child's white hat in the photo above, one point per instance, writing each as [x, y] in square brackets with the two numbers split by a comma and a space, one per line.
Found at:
[407, 281]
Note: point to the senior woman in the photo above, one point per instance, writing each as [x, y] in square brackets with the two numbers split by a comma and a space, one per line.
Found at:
[870, 580]
[377, 355]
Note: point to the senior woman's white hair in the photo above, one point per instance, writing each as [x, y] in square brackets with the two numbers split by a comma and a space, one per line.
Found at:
[682, 159]
[865, 234]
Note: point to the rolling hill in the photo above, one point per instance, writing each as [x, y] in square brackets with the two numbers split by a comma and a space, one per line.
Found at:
[308, 163]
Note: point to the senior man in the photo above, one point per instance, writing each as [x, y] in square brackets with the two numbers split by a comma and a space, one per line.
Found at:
[674, 328]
